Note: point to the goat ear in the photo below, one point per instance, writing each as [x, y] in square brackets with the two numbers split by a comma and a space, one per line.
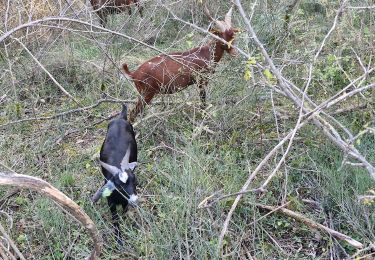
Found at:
[112, 169]
[228, 17]
[125, 161]
[123, 176]
[132, 165]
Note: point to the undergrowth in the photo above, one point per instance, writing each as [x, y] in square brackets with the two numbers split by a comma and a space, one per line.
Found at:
[188, 154]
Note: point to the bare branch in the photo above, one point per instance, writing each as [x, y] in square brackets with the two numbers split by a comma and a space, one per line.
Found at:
[57, 196]
[361, 7]
[12, 244]
[315, 225]
[73, 111]
[327, 128]
[47, 72]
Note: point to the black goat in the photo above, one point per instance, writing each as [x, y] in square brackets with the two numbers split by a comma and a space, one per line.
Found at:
[118, 158]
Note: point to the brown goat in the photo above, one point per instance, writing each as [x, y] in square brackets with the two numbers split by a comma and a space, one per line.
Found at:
[105, 7]
[167, 74]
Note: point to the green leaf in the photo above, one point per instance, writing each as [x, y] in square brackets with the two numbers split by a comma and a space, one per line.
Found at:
[106, 192]
[269, 76]
[247, 75]
[251, 61]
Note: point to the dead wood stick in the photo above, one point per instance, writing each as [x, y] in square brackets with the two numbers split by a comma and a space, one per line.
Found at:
[10, 241]
[7, 252]
[9, 194]
[2, 98]
[349, 109]
[2, 253]
[313, 224]
[60, 198]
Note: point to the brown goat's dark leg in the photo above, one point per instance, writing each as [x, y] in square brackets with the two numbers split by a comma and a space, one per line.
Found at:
[202, 95]
[135, 111]
[140, 9]
[102, 18]
[141, 103]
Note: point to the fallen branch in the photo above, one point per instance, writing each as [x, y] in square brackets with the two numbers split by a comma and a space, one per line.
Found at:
[10, 241]
[4, 251]
[209, 201]
[3, 97]
[82, 109]
[362, 7]
[313, 224]
[9, 194]
[349, 109]
[371, 247]
[61, 199]
[73, 111]
[366, 197]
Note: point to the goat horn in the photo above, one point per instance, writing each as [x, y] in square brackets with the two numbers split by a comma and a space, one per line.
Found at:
[228, 17]
[125, 161]
[112, 169]
[208, 13]
[217, 23]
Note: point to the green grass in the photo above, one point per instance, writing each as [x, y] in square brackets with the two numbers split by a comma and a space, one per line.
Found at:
[188, 155]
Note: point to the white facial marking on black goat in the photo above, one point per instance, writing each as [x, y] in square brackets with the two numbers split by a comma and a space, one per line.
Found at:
[123, 176]
[133, 199]
[125, 166]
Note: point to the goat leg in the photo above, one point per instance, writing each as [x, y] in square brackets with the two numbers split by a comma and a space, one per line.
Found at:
[202, 95]
[141, 103]
[140, 8]
[102, 17]
[115, 219]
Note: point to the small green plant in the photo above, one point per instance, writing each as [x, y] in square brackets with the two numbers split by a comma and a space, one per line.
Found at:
[67, 179]
[21, 201]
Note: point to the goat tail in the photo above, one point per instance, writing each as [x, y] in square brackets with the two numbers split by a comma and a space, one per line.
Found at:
[124, 112]
[126, 69]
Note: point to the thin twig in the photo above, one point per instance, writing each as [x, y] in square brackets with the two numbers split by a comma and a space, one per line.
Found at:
[315, 225]
[7, 252]
[47, 72]
[361, 7]
[349, 109]
[327, 128]
[9, 194]
[77, 110]
[206, 202]
[3, 255]
[12, 244]
[2, 98]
